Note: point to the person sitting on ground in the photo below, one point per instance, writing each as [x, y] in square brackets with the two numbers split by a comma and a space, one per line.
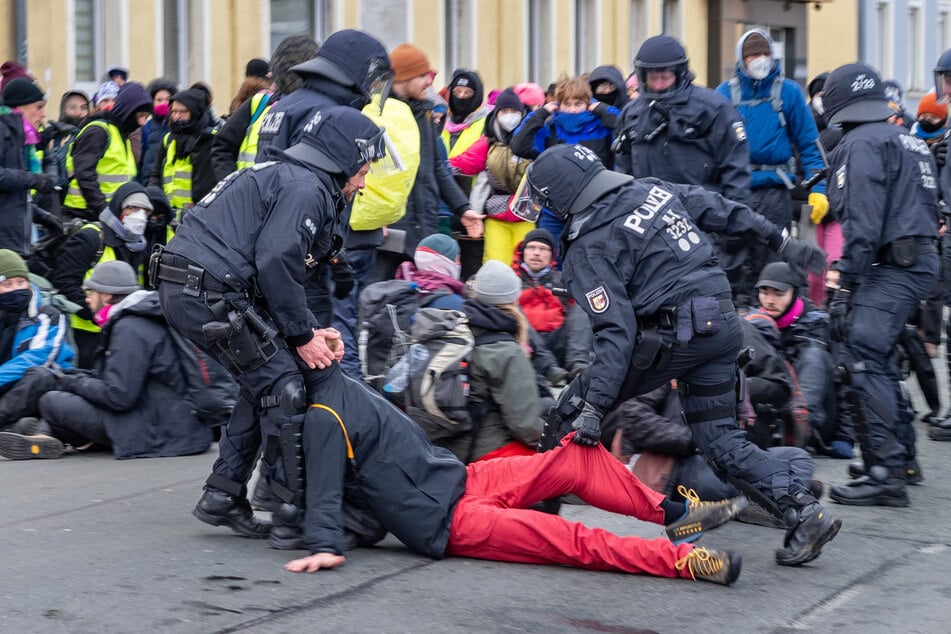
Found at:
[132, 400]
[33, 334]
[435, 270]
[562, 325]
[352, 436]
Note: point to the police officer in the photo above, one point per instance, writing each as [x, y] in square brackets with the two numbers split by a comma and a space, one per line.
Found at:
[232, 281]
[942, 87]
[638, 262]
[883, 186]
[679, 132]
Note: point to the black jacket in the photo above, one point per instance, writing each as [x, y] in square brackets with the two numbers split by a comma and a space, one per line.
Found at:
[228, 140]
[433, 184]
[651, 422]
[138, 383]
[203, 174]
[259, 228]
[640, 248]
[409, 485]
[15, 181]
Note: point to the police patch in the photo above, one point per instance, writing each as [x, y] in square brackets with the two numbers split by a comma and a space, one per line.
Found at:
[598, 300]
[310, 226]
[840, 177]
[739, 131]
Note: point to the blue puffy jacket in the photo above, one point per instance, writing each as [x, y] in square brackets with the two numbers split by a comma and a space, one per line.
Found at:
[40, 338]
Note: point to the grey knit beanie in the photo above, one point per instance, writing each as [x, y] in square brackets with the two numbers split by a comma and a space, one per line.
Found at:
[114, 277]
[495, 283]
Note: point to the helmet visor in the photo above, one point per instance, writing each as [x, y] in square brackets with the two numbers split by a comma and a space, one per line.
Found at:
[528, 201]
[377, 84]
[942, 85]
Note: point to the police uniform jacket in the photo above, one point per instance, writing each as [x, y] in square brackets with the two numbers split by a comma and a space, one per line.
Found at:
[641, 248]
[883, 187]
[266, 227]
[704, 142]
[409, 485]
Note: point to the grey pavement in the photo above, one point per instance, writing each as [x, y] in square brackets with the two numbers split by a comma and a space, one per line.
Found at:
[90, 544]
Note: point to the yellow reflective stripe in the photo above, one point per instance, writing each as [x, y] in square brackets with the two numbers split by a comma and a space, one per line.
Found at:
[346, 436]
[115, 167]
[108, 254]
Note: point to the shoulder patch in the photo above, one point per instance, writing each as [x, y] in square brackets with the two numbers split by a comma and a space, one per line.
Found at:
[309, 226]
[598, 300]
[739, 131]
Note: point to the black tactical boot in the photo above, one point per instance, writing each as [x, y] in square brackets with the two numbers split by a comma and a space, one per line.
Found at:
[221, 509]
[717, 566]
[810, 527]
[264, 498]
[913, 475]
[284, 537]
[876, 488]
[702, 516]
[940, 430]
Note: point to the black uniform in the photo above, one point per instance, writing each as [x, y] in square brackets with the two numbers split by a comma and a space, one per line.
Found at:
[883, 188]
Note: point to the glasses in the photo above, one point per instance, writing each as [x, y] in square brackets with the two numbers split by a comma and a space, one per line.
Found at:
[541, 248]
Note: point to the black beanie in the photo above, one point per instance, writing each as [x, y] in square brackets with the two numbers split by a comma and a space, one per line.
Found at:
[194, 99]
[21, 91]
[539, 235]
[508, 100]
[257, 68]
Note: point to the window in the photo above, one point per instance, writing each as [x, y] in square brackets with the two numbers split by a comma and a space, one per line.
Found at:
[883, 32]
[175, 41]
[638, 28]
[301, 17]
[541, 63]
[671, 17]
[87, 18]
[943, 29]
[587, 36]
[460, 21]
[915, 62]
[388, 20]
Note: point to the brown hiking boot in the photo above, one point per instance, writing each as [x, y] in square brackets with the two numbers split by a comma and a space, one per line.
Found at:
[717, 566]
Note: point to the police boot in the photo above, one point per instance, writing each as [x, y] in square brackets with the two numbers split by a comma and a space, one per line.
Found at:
[877, 488]
[940, 430]
[221, 509]
[264, 498]
[701, 516]
[809, 528]
[717, 566]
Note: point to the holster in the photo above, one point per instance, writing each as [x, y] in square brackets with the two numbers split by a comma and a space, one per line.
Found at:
[651, 351]
[154, 260]
[245, 340]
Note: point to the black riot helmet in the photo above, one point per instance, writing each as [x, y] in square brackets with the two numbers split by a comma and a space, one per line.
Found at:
[354, 59]
[942, 76]
[339, 140]
[565, 180]
[854, 93]
[662, 52]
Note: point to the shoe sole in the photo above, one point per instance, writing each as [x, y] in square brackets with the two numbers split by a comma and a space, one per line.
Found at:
[873, 501]
[692, 529]
[217, 520]
[816, 549]
[19, 447]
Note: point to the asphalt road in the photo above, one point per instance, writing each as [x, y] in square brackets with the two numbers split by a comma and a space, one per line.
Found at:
[90, 544]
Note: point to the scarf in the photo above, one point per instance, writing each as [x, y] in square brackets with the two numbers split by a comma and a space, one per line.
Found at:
[133, 243]
[31, 138]
[792, 313]
[532, 274]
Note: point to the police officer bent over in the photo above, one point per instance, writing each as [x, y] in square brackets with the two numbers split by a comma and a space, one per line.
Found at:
[638, 262]
[883, 187]
[232, 281]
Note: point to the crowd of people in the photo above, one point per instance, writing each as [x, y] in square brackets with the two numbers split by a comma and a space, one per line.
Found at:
[639, 290]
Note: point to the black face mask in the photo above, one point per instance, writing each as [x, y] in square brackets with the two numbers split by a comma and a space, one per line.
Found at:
[461, 108]
[929, 127]
[178, 127]
[607, 98]
[15, 302]
[73, 121]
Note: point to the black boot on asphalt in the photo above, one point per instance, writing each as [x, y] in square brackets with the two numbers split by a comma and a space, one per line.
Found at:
[940, 430]
[876, 488]
[810, 527]
[221, 509]
[264, 498]
[22, 447]
[913, 475]
[284, 537]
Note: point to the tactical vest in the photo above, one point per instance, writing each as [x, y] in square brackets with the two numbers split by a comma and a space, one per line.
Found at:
[260, 104]
[116, 167]
[176, 177]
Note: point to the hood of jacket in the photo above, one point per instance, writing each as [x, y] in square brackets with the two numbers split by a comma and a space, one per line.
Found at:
[140, 303]
[612, 74]
[488, 318]
[741, 67]
[132, 99]
[125, 190]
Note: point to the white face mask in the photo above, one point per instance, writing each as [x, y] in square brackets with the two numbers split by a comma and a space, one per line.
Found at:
[759, 68]
[817, 104]
[136, 222]
[509, 121]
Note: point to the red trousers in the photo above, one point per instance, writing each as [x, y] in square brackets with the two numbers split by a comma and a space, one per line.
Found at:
[492, 520]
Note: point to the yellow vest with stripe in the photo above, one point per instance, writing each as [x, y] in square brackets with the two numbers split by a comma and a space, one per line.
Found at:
[249, 146]
[108, 254]
[465, 139]
[115, 168]
[176, 176]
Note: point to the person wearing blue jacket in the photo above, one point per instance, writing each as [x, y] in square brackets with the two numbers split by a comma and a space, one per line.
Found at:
[779, 126]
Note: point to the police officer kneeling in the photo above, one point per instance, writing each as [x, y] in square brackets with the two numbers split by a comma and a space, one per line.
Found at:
[232, 281]
[638, 262]
[884, 191]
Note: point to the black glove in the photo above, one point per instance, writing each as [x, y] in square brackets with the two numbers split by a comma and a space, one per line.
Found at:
[69, 382]
[940, 151]
[588, 425]
[556, 376]
[802, 255]
[43, 183]
[839, 314]
[343, 276]
[48, 221]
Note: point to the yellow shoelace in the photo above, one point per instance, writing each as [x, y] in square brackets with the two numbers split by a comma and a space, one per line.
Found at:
[699, 561]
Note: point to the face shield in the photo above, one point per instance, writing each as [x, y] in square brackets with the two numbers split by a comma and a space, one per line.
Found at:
[942, 84]
[377, 84]
[380, 153]
[528, 201]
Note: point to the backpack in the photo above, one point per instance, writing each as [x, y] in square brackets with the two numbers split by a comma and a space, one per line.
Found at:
[385, 312]
[437, 396]
[209, 387]
[42, 259]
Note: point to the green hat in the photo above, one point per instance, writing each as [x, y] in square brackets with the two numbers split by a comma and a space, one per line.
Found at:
[12, 265]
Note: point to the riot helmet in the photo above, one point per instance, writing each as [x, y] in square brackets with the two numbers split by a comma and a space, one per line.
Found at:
[854, 93]
[942, 77]
[340, 141]
[565, 180]
[660, 53]
[354, 59]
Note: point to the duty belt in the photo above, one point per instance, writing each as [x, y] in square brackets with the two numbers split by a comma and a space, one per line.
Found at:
[179, 270]
[925, 245]
[666, 316]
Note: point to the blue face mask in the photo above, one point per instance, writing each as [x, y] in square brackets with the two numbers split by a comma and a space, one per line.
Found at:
[15, 302]
[573, 123]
